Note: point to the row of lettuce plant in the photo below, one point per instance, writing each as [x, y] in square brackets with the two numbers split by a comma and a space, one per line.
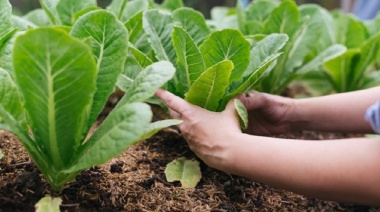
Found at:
[358, 67]
[327, 51]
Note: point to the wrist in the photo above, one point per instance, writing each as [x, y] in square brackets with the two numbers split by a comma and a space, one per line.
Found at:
[298, 119]
[232, 155]
[223, 159]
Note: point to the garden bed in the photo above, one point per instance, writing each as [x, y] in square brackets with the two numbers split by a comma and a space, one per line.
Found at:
[135, 181]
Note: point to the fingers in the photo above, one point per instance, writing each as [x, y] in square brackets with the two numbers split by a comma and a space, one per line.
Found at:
[175, 103]
[252, 100]
[175, 115]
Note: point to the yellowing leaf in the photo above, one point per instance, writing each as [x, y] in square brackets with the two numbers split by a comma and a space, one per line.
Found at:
[186, 171]
[48, 204]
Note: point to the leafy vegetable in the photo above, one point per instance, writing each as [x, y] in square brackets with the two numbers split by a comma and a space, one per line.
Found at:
[210, 70]
[310, 38]
[110, 43]
[355, 69]
[349, 71]
[62, 84]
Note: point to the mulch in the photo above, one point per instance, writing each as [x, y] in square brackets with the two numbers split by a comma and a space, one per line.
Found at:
[135, 181]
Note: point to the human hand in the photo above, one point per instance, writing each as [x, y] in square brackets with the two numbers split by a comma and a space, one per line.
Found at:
[267, 114]
[209, 134]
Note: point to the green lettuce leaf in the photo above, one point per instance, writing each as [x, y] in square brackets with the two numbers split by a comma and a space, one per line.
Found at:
[56, 76]
[110, 47]
[121, 129]
[211, 86]
[66, 9]
[227, 44]
[190, 62]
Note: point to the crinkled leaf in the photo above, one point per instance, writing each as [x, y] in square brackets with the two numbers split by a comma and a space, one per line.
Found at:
[66, 9]
[5, 17]
[121, 129]
[211, 86]
[190, 62]
[153, 128]
[158, 25]
[228, 44]
[193, 22]
[57, 83]
[110, 47]
[49, 204]
[147, 82]
[188, 172]
[243, 114]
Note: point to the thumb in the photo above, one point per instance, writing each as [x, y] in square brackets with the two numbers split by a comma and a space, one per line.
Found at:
[230, 108]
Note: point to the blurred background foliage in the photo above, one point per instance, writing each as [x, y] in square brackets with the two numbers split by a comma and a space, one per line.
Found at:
[23, 6]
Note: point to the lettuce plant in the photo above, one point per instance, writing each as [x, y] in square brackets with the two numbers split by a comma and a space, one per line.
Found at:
[311, 42]
[61, 83]
[212, 67]
[355, 69]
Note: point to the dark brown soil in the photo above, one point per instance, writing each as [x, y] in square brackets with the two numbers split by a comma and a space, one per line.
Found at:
[135, 181]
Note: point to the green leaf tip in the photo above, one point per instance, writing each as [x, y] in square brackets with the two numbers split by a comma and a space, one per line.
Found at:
[243, 114]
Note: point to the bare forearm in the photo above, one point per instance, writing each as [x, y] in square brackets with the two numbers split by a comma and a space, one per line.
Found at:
[335, 113]
[341, 170]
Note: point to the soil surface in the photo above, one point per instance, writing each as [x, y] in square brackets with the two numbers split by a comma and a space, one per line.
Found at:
[135, 181]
